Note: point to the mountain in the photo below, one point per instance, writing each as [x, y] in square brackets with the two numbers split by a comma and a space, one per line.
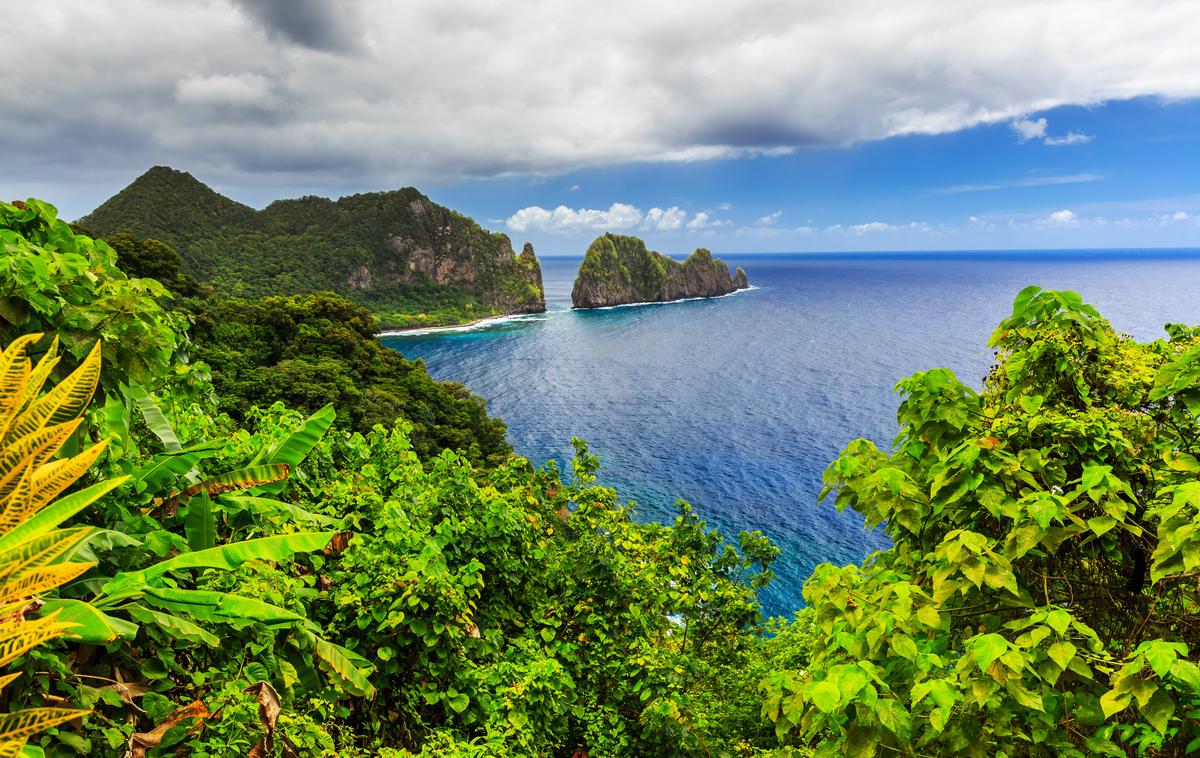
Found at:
[408, 259]
[618, 270]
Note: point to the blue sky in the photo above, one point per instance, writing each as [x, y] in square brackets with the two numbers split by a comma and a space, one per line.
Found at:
[1124, 183]
[740, 125]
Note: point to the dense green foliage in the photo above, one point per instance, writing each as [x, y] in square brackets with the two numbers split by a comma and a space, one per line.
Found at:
[1041, 596]
[410, 260]
[273, 583]
[60, 283]
[314, 350]
[262, 581]
[619, 269]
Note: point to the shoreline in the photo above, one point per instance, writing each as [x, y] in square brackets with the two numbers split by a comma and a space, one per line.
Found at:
[479, 323]
[484, 323]
[667, 302]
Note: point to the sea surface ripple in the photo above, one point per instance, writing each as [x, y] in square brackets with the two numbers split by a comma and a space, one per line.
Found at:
[737, 404]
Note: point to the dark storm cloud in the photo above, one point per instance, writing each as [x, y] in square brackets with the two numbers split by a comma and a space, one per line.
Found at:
[317, 24]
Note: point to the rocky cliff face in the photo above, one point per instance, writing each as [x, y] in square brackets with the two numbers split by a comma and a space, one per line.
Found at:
[394, 251]
[618, 270]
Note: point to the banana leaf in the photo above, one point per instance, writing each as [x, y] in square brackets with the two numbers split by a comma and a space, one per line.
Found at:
[178, 628]
[155, 419]
[236, 481]
[293, 449]
[90, 625]
[344, 665]
[165, 467]
[200, 526]
[207, 605]
[269, 506]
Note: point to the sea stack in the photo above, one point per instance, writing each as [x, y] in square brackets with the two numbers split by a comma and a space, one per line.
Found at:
[619, 270]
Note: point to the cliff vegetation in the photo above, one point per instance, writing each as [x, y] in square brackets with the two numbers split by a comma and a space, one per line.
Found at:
[411, 261]
[618, 270]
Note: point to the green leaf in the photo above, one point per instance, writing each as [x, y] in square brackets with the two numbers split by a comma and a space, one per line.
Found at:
[1023, 298]
[178, 628]
[987, 648]
[1181, 462]
[218, 606]
[345, 666]
[92, 626]
[231, 556]
[1158, 711]
[272, 507]
[826, 696]
[200, 526]
[458, 702]
[1161, 655]
[929, 616]
[1059, 620]
[1061, 652]
[1101, 525]
[903, 645]
[166, 467]
[236, 481]
[1114, 701]
[155, 420]
[1094, 476]
[293, 449]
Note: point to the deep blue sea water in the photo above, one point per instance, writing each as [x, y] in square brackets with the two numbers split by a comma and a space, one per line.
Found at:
[737, 404]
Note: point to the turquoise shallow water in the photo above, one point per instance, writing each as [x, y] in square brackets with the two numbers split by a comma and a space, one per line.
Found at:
[737, 404]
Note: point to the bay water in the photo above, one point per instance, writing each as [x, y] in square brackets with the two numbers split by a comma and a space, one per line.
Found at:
[737, 404]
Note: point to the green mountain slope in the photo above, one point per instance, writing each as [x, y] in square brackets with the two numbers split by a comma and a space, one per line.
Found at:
[411, 261]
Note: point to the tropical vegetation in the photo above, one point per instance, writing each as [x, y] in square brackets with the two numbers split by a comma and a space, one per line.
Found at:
[242, 566]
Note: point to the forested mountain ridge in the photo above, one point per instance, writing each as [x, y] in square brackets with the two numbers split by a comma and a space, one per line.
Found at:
[410, 260]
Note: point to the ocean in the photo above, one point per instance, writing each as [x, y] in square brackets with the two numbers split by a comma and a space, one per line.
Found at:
[737, 404]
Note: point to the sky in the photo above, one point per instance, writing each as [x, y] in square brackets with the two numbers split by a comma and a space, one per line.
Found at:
[737, 125]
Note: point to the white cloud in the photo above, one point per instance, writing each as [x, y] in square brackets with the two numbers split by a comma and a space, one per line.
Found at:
[574, 188]
[770, 219]
[1173, 218]
[687, 81]
[661, 220]
[1072, 138]
[725, 206]
[618, 217]
[704, 220]
[881, 226]
[1027, 129]
[1063, 218]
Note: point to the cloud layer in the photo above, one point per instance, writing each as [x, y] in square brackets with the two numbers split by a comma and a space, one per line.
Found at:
[619, 217]
[381, 93]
